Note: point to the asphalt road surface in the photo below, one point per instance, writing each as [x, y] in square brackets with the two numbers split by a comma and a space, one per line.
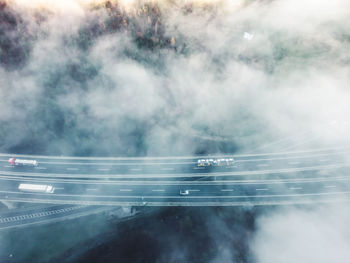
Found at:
[261, 179]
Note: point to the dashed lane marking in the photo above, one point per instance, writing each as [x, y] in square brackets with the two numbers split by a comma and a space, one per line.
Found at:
[293, 162]
[261, 189]
[330, 186]
[103, 169]
[226, 190]
[233, 173]
[125, 190]
[72, 169]
[158, 190]
[295, 188]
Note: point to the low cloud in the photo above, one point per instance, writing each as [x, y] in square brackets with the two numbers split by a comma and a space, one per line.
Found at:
[179, 78]
[156, 78]
[308, 234]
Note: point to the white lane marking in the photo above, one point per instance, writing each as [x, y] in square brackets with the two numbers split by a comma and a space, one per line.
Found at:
[135, 169]
[193, 190]
[286, 158]
[158, 190]
[40, 168]
[118, 163]
[233, 173]
[91, 189]
[330, 180]
[262, 165]
[72, 169]
[192, 182]
[261, 189]
[57, 188]
[295, 188]
[103, 169]
[198, 168]
[175, 197]
[7, 166]
[125, 190]
[343, 148]
[293, 162]
[226, 190]
[330, 186]
[168, 169]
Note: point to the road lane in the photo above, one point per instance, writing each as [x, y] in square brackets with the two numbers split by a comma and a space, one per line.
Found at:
[176, 164]
[277, 173]
[186, 201]
[286, 177]
[198, 192]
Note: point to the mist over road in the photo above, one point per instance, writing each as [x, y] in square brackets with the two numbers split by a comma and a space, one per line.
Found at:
[153, 78]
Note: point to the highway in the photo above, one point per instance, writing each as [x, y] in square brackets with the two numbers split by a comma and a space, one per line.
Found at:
[253, 179]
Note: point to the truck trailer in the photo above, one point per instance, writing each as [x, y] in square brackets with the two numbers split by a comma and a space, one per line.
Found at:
[22, 162]
[216, 162]
[39, 188]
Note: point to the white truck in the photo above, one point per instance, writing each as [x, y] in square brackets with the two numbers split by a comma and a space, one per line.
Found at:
[39, 188]
[216, 162]
[22, 162]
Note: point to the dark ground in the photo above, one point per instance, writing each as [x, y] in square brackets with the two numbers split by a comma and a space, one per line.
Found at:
[172, 235]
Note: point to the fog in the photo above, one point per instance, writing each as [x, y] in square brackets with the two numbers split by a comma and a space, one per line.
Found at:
[163, 78]
[171, 79]
[312, 234]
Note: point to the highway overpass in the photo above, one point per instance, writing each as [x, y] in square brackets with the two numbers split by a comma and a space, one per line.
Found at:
[253, 179]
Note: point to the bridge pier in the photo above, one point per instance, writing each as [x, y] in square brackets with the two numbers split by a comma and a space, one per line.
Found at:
[127, 209]
[121, 212]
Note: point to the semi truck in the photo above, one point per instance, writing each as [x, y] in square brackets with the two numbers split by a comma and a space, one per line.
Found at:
[22, 162]
[39, 188]
[216, 162]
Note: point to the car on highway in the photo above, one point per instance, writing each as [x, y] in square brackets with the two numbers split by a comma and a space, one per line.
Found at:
[22, 162]
[184, 192]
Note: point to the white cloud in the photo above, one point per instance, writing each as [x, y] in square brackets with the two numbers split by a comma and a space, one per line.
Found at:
[312, 235]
